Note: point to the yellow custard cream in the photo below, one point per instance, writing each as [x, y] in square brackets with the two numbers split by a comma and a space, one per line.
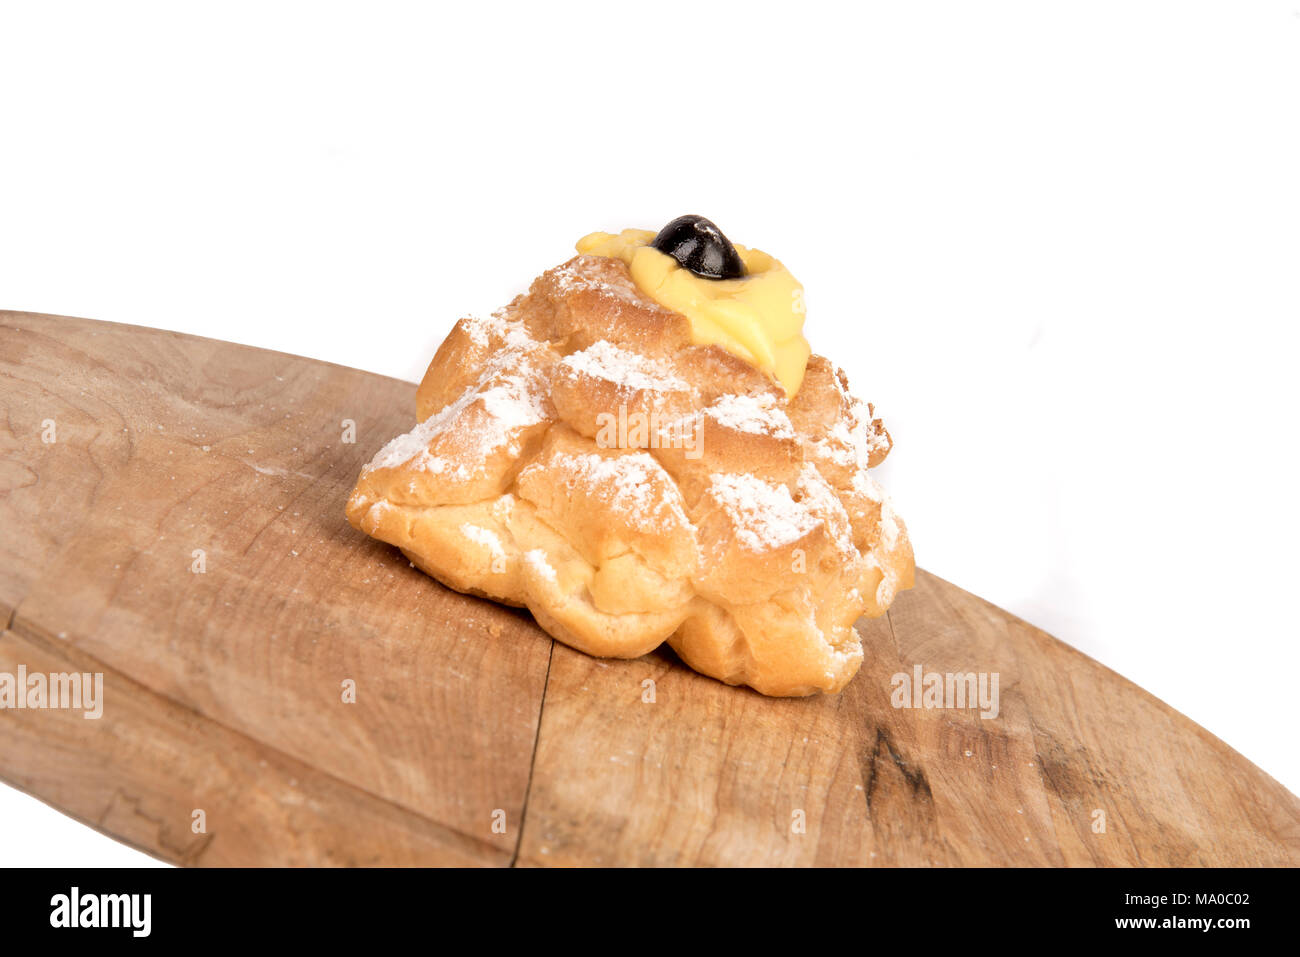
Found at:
[758, 317]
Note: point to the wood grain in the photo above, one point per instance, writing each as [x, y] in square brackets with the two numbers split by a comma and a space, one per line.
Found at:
[710, 775]
[167, 444]
[223, 688]
[142, 771]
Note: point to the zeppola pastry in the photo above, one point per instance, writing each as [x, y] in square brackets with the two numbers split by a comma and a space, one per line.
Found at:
[642, 449]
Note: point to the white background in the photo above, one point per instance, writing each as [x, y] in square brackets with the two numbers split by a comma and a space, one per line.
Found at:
[1057, 244]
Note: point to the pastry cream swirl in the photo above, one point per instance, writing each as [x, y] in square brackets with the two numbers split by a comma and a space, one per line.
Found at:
[758, 317]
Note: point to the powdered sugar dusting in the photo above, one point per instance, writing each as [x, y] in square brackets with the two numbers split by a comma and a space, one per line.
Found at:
[497, 329]
[604, 360]
[535, 558]
[413, 446]
[631, 483]
[765, 515]
[485, 537]
[888, 528]
[816, 494]
[851, 440]
[757, 414]
[568, 279]
[375, 514]
[511, 395]
[866, 486]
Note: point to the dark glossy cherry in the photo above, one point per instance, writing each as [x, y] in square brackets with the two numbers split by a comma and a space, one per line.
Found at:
[699, 246]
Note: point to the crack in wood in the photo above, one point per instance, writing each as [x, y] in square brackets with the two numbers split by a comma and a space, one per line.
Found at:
[916, 781]
[537, 738]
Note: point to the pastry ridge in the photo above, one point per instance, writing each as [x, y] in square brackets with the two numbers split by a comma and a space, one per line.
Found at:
[576, 454]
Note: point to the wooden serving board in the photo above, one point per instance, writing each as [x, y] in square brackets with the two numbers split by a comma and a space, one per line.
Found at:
[473, 738]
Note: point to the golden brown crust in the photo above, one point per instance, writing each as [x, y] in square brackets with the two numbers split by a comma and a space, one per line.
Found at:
[577, 455]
